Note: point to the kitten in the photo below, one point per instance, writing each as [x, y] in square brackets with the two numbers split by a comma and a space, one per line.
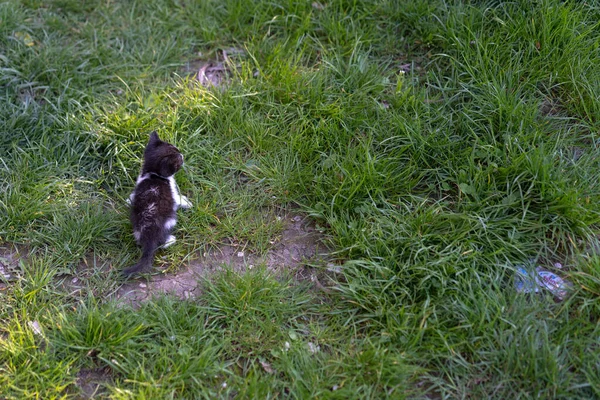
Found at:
[155, 200]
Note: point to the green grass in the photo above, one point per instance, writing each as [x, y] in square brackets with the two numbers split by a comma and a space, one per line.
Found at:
[440, 144]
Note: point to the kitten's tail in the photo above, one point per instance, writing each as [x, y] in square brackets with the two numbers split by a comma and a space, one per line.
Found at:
[145, 263]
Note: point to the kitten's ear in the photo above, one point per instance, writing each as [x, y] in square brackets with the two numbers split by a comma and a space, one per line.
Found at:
[153, 138]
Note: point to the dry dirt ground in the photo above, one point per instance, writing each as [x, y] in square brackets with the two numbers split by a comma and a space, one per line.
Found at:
[300, 244]
[9, 266]
[92, 381]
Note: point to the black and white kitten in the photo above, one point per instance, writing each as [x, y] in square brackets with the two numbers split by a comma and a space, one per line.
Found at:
[155, 200]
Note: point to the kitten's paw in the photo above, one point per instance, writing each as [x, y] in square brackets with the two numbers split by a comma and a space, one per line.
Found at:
[184, 202]
[129, 199]
[133, 270]
[170, 240]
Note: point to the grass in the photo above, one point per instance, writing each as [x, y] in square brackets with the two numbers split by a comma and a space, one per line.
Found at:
[440, 144]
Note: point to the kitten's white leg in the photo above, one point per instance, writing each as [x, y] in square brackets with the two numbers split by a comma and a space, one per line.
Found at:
[184, 202]
[180, 201]
[170, 240]
[170, 223]
[129, 201]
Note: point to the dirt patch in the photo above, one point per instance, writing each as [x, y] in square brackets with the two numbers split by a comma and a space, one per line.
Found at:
[300, 244]
[215, 71]
[9, 265]
[552, 107]
[91, 382]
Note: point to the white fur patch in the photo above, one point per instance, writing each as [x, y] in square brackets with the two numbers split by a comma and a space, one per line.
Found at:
[170, 223]
[175, 193]
[141, 178]
[178, 199]
[170, 240]
[185, 202]
[136, 235]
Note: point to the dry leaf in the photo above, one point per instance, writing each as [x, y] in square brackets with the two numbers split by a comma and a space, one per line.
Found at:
[25, 38]
[212, 75]
[267, 367]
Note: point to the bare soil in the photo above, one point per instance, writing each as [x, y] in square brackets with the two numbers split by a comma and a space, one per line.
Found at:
[9, 265]
[300, 244]
[92, 381]
[214, 71]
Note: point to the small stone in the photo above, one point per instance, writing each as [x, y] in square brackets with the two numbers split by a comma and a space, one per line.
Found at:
[240, 254]
[143, 285]
[74, 280]
[558, 265]
[335, 387]
[224, 385]
[250, 266]
[286, 346]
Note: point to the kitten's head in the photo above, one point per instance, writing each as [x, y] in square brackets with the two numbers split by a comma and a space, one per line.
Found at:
[161, 158]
